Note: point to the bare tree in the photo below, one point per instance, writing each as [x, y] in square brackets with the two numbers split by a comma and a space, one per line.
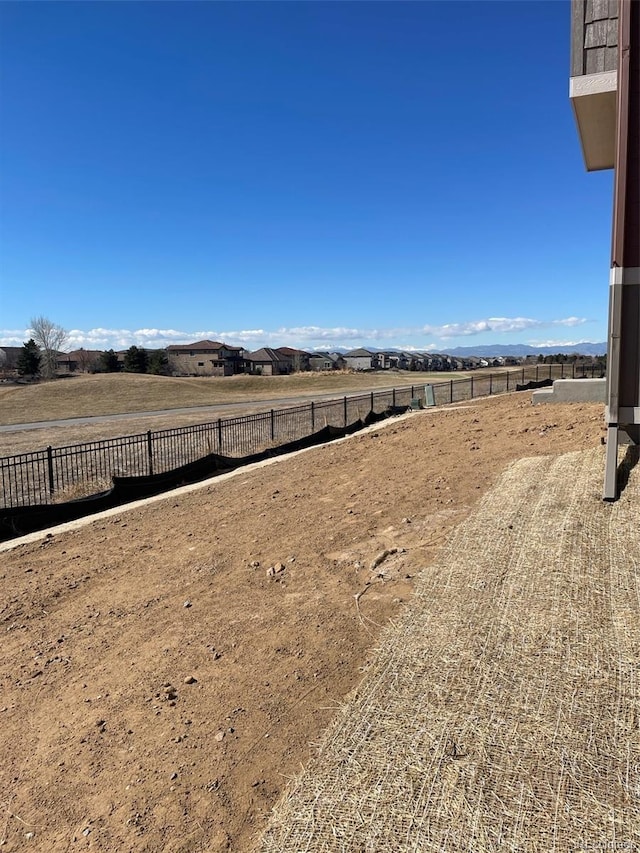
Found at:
[50, 338]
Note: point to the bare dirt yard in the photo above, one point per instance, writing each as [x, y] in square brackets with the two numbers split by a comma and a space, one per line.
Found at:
[166, 670]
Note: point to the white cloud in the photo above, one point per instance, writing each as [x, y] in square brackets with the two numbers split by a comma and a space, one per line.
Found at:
[499, 325]
[570, 321]
[309, 337]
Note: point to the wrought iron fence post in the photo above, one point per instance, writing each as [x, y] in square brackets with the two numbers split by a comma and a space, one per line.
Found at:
[50, 469]
[472, 387]
[523, 375]
[219, 435]
[537, 372]
[313, 416]
[273, 426]
[451, 390]
[150, 452]
[345, 411]
[507, 380]
[490, 384]
[393, 398]
[550, 366]
[372, 402]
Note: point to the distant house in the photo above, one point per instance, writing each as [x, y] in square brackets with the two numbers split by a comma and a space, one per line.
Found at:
[206, 358]
[79, 361]
[298, 359]
[269, 362]
[380, 360]
[437, 361]
[361, 359]
[326, 361]
[405, 361]
[420, 361]
[9, 364]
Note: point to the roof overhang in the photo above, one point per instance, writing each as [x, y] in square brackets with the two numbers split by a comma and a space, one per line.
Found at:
[593, 97]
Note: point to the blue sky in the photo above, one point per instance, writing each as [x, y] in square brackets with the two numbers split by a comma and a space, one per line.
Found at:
[308, 174]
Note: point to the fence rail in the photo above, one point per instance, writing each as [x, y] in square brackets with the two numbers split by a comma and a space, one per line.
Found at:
[63, 473]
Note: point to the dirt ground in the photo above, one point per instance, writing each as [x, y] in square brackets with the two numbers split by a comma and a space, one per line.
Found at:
[167, 670]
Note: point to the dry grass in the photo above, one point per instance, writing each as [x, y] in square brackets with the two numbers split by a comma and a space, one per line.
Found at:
[27, 441]
[117, 393]
[82, 489]
[502, 712]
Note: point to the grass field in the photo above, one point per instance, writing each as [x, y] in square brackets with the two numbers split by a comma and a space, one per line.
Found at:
[119, 393]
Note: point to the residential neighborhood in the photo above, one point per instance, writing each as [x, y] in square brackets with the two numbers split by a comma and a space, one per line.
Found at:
[214, 358]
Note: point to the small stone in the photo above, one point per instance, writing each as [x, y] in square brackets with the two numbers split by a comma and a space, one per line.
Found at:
[271, 571]
[219, 736]
[254, 564]
[100, 723]
[174, 776]
[29, 835]
[279, 567]
[190, 679]
[406, 520]
[187, 603]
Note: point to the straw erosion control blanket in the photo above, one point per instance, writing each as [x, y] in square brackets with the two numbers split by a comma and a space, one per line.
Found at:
[165, 670]
[502, 710]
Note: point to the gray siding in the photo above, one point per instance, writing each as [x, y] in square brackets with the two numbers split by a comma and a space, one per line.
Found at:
[594, 36]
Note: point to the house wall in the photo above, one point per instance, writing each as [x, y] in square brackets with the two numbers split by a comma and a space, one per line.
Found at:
[266, 367]
[594, 36]
[358, 362]
[198, 364]
[317, 364]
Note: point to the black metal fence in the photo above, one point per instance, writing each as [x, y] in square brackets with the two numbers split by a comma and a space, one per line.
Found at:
[62, 473]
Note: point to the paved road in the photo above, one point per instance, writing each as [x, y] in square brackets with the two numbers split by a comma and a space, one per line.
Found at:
[210, 410]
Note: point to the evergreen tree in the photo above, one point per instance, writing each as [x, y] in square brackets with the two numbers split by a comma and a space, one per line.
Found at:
[158, 362]
[109, 362]
[29, 359]
[136, 360]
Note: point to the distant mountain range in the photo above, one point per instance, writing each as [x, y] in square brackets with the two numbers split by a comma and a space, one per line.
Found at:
[496, 350]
